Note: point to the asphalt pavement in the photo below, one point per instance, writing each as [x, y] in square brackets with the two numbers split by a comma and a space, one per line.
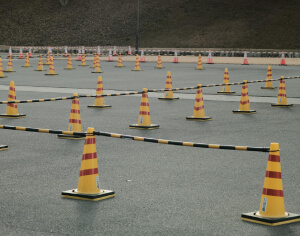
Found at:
[160, 189]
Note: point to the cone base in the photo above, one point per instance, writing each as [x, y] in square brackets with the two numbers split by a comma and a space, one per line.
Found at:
[252, 217]
[136, 126]
[26, 66]
[244, 112]
[136, 70]
[159, 67]
[282, 105]
[97, 72]
[199, 69]
[3, 76]
[210, 63]
[40, 70]
[245, 64]
[69, 68]
[268, 87]
[198, 118]
[9, 71]
[120, 66]
[51, 74]
[222, 92]
[100, 107]
[163, 98]
[83, 65]
[3, 147]
[65, 136]
[12, 116]
[283, 64]
[46, 64]
[109, 61]
[104, 194]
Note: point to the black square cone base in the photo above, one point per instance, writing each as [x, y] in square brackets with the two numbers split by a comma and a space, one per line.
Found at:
[198, 118]
[252, 217]
[65, 136]
[51, 74]
[245, 64]
[40, 70]
[136, 70]
[3, 147]
[97, 72]
[46, 64]
[159, 67]
[279, 105]
[3, 76]
[120, 66]
[26, 66]
[7, 71]
[163, 98]
[84, 65]
[268, 87]
[109, 61]
[104, 194]
[282, 65]
[69, 68]
[244, 112]
[221, 92]
[198, 69]
[100, 107]
[136, 126]
[210, 63]
[12, 116]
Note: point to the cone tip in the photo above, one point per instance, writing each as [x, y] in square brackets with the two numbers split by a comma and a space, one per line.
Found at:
[90, 130]
[12, 84]
[282, 77]
[169, 73]
[274, 147]
[226, 69]
[145, 90]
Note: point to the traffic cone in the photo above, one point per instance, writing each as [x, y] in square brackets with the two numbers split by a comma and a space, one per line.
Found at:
[120, 61]
[269, 80]
[159, 63]
[209, 60]
[79, 55]
[282, 62]
[272, 211]
[12, 108]
[244, 103]
[245, 62]
[199, 64]
[30, 52]
[1, 70]
[110, 58]
[142, 58]
[115, 51]
[69, 64]
[94, 61]
[88, 187]
[97, 66]
[66, 52]
[99, 100]
[9, 66]
[83, 62]
[51, 67]
[281, 99]
[144, 121]
[27, 64]
[48, 59]
[226, 88]
[175, 58]
[98, 51]
[9, 52]
[168, 95]
[129, 51]
[74, 121]
[40, 65]
[137, 64]
[21, 53]
[199, 113]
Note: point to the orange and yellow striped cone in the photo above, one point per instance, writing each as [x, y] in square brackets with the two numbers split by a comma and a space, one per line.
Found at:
[144, 121]
[244, 103]
[272, 210]
[97, 66]
[226, 88]
[9, 66]
[74, 121]
[269, 84]
[199, 112]
[69, 63]
[27, 63]
[199, 64]
[1, 70]
[48, 59]
[83, 62]
[137, 64]
[51, 67]
[159, 63]
[120, 62]
[88, 187]
[12, 108]
[168, 95]
[99, 100]
[40, 64]
[281, 99]
[94, 61]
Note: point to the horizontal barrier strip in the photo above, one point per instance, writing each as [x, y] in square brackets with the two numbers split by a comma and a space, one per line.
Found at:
[144, 139]
[37, 100]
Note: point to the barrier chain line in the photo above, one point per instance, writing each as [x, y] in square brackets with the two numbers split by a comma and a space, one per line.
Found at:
[140, 92]
[144, 139]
